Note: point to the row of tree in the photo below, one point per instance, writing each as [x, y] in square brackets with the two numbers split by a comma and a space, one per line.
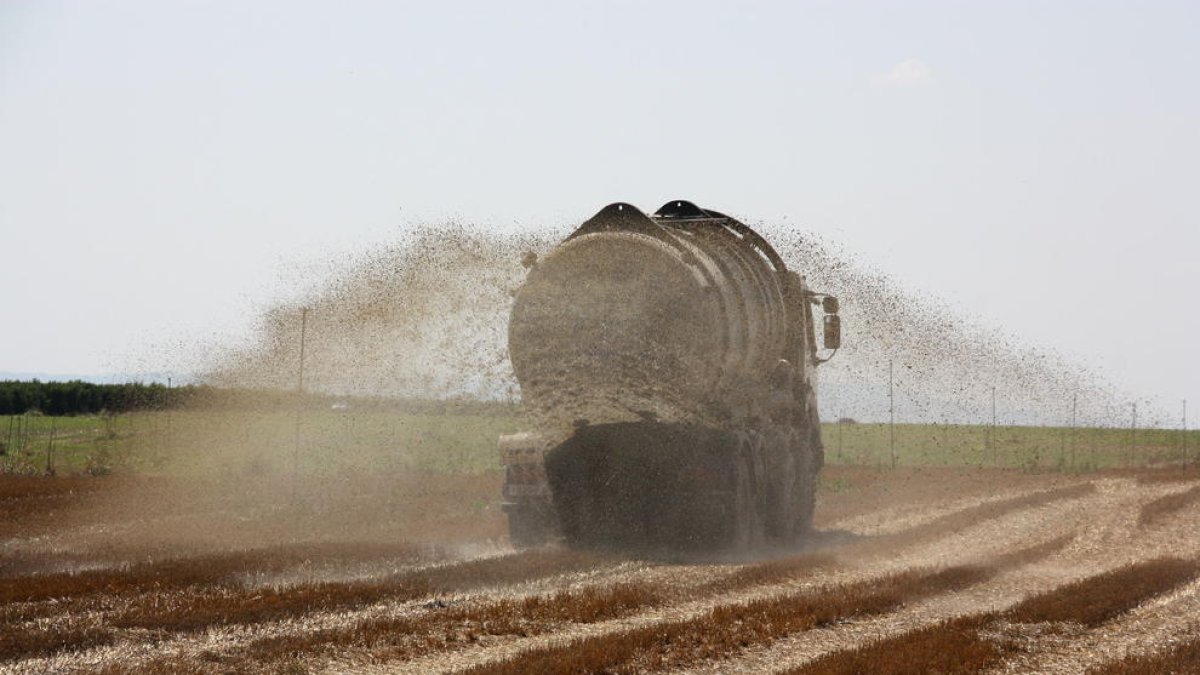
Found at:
[86, 398]
[81, 398]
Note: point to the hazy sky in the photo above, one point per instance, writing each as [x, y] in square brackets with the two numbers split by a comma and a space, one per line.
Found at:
[167, 169]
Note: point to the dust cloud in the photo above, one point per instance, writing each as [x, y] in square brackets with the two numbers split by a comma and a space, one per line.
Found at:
[945, 366]
[428, 318]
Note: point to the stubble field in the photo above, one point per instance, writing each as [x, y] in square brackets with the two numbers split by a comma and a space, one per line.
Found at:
[920, 568]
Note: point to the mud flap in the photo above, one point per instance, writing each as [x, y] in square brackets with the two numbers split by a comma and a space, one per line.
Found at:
[531, 517]
[639, 485]
[785, 488]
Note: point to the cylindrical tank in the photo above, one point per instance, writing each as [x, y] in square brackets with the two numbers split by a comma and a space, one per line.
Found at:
[675, 318]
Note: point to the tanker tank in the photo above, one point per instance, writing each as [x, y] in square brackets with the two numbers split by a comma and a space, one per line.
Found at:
[667, 364]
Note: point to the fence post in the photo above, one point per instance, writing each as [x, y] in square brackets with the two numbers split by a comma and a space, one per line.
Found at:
[839, 450]
[1074, 397]
[891, 414]
[50, 448]
[299, 403]
[1132, 437]
[992, 432]
[9, 446]
[169, 404]
[1184, 433]
[1062, 448]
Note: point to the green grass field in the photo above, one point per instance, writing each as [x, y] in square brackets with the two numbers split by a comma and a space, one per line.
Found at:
[186, 442]
[205, 441]
[1033, 448]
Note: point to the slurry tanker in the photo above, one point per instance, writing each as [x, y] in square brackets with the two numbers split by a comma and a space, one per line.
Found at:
[667, 364]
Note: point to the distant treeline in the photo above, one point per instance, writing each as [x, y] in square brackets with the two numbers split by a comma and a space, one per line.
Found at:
[77, 397]
[86, 398]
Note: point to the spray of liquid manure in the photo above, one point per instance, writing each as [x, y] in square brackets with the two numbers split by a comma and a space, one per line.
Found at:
[428, 317]
[426, 320]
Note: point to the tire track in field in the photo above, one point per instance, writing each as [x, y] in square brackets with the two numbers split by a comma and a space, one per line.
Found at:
[1168, 505]
[1152, 627]
[953, 548]
[982, 641]
[217, 569]
[1164, 621]
[92, 610]
[216, 607]
[899, 518]
[1106, 518]
[110, 591]
[729, 628]
[141, 648]
[73, 633]
[305, 624]
[82, 619]
[481, 618]
[68, 540]
[879, 566]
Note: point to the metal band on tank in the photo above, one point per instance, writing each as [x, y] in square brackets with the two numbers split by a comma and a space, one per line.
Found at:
[760, 335]
[739, 319]
[698, 263]
[725, 255]
[762, 246]
[770, 291]
[683, 215]
[623, 217]
[732, 344]
[750, 242]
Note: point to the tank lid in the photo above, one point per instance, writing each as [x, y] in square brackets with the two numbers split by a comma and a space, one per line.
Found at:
[682, 209]
[619, 217]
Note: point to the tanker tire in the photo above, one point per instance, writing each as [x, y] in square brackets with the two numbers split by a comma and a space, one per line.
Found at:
[567, 475]
[809, 467]
[747, 522]
[742, 507]
[794, 516]
[529, 526]
[783, 489]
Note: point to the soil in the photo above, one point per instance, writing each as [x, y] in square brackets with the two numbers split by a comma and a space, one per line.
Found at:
[150, 539]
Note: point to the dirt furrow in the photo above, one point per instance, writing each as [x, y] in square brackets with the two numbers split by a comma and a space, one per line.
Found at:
[1179, 656]
[223, 569]
[899, 518]
[89, 626]
[141, 648]
[1168, 505]
[880, 566]
[209, 607]
[480, 616]
[453, 624]
[1151, 628]
[1158, 624]
[1118, 497]
[977, 642]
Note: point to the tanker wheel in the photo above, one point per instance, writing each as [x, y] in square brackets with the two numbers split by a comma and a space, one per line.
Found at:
[746, 522]
[808, 467]
[530, 525]
[786, 489]
[742, 512]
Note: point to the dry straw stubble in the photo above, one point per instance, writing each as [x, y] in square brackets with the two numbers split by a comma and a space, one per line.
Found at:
[975, 643]
[726, 630]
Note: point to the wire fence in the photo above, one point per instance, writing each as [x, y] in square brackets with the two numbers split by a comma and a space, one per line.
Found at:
[1015, 447]
[39, 444]
[990, 442]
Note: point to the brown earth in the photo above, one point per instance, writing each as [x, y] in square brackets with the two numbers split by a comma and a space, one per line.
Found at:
[911, 569]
